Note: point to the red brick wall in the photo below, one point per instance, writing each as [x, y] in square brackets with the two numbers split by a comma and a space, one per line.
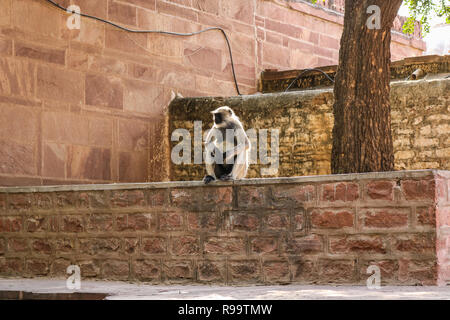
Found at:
[84, 106]
[306, 230]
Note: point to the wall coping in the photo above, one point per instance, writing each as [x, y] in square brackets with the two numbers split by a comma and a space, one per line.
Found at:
[412, 174]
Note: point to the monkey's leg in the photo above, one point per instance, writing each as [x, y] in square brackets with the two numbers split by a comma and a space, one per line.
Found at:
[210, 167]
[240, 166]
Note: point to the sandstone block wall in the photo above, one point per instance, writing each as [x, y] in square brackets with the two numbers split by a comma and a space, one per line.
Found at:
[309, 230]
[420, 127]
[88, 105]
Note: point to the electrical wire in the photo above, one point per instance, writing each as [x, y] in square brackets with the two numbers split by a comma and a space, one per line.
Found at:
[305, 71]
[189, 34]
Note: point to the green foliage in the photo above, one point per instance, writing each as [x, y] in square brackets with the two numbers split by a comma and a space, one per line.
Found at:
[421, 10]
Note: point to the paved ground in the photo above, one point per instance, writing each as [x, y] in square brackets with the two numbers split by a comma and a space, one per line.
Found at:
[126, 291]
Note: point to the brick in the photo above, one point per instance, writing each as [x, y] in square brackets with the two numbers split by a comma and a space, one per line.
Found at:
[42, 201]
[89, 163]
[178, 270]
[287, 196]
[127, 198]
[37, 267]
[68, 200]
[64, 245]
[148, 4]
[134, 222]
[380, 190]
[357, 244]
[41, 246]
[11, 266]
[298, 222]
[224, 246]
[37, 52]
[156, 198]
[244, 222]
[385, 218]
[59, 267]
[60, 84]
[426, 216]
[3, 203]
[99, 223]
[147, 270]
[415, 243]
[72, 224]
[19, 202]
[332, 219]
[16, 245]
[133, 166]
[130, 245]
[336, 271]
[96, 246]
[252, 197]
[304, 271]
[418, 190]
[264, 246]
[18, 77]
[54, 162]
[304, 245]
[238, 10]
[340, 192]
[65, 128]
[100, 132]
[133, 135]
[244, 271]
[10, 224]
[5, 47]
[128, 43]
[276, 272]
[171, 221]
[276, 222]
[97, 8]
[17, 158]
[210, 6]
[173, 10]
[206, 199]
[115, 270]
[122, 13]
[205, 221]
[104, 91]
[89, 268]
[211, 271]
[2, 247]
[208, 58]
[154, 245]
[185, 245]
[417, 272]
[36, 224]
[275, 55]
[25, 130]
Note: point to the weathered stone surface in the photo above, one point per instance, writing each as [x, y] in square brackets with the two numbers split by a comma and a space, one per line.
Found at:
[305, 121]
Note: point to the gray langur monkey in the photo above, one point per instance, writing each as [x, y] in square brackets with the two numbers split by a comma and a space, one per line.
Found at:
[227, 147]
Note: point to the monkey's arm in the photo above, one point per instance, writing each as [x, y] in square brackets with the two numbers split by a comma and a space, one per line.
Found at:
[240, 147]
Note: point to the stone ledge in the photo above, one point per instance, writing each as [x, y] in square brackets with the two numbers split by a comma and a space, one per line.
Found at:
[413, 174]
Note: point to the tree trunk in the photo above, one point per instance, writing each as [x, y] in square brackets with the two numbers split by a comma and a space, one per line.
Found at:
[362, 140]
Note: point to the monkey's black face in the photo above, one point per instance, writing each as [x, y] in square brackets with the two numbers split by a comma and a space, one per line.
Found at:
[218, 118]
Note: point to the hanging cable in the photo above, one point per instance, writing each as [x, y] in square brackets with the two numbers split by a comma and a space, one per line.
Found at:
[189, 34]
[305, 71]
